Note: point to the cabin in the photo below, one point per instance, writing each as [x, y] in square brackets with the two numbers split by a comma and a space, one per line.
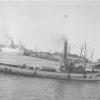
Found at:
[79, 69]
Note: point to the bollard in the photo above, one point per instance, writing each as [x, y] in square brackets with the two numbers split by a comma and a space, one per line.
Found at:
[68, 75]
[34, 73]
[84, 75]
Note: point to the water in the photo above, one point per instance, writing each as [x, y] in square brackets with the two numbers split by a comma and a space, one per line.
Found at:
[14, 87]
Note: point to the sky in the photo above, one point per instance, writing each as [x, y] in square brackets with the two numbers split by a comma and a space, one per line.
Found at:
[42, 25]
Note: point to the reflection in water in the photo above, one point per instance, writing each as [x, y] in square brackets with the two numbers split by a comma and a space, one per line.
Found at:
[13, 87]
[75, 90]
[60, 90]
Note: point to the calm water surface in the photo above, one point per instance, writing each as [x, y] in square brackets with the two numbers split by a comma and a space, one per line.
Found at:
[13, 87]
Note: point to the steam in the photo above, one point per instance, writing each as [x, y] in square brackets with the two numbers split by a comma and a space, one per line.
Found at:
[58, 41]
[63, 38]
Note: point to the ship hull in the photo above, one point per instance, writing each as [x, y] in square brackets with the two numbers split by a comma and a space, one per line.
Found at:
[52, 75]
[12, 51]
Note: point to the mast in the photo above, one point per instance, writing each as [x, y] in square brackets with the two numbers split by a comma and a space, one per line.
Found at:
[85, 55]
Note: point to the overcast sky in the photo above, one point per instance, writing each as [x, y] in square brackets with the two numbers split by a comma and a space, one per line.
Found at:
[43, 24]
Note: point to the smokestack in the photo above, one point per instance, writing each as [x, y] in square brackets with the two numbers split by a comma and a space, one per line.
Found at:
[65, 53]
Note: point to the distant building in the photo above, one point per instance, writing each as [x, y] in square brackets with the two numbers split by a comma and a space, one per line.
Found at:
[98, 60]
[72, 57]
[44, 54]
[56, 56]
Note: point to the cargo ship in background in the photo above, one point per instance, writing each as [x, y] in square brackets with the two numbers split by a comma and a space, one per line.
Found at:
[12, 48]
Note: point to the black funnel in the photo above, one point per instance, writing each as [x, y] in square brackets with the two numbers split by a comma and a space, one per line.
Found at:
[65, 53]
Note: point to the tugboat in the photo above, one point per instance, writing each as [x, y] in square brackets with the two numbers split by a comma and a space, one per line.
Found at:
[79, 72]
[68, 71]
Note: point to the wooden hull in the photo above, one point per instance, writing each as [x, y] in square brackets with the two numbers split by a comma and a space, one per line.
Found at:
[53, 75]
[65, 76]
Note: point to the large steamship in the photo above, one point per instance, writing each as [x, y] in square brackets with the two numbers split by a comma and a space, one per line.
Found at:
[12, 48]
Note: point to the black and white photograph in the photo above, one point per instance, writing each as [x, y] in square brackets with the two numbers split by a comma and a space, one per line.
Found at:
[49, 50]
